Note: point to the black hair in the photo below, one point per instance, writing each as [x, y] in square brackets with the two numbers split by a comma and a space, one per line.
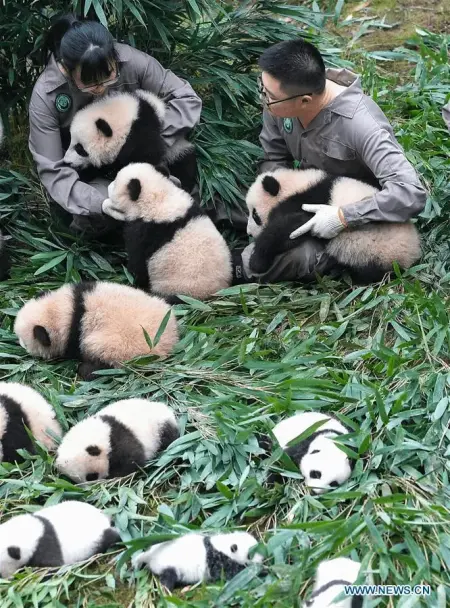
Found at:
[87, 44]
[296, 64]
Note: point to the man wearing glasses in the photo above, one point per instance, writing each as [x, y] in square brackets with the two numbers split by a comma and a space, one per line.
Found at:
[322, 119]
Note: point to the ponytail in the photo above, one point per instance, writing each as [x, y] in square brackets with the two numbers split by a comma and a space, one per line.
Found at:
[55, 34]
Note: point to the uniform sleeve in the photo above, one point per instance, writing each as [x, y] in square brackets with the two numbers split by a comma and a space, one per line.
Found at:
[184, 106]
[402, 196]
[446, 115]
[276, 153]
[60, 180]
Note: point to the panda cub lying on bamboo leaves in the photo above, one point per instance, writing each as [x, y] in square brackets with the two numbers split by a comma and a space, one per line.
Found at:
[367, 252]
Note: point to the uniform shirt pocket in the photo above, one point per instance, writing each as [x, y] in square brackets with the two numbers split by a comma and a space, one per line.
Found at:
[337, 150]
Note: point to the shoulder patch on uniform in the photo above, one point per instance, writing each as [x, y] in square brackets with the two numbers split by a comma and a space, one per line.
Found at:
[63, 102]
[288, 125]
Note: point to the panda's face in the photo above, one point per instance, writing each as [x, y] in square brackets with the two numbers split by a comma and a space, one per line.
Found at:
[92, 142]
[141, 191]
[41, 324]
[324, 466]
[262, 197]
[236, 546]
[83, 454]
[19, 537]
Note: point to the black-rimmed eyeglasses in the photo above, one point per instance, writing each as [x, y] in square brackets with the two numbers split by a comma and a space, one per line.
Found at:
[265, 97]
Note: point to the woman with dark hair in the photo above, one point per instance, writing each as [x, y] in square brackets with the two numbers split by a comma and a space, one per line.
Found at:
[84, 62]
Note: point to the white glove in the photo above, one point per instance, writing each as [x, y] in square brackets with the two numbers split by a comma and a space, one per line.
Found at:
[327, 222]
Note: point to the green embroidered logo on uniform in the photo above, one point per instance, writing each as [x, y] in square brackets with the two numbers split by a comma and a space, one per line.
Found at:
[63, 102]
[288, 125]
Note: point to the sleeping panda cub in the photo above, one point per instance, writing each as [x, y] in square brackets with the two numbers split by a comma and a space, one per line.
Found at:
[321, 462]
[124, 128]
[117, 440]
[368, 252]
[195, 558]
[100, 324]
[331, 577]
[173, 247]
[55, 536]
[20, 407]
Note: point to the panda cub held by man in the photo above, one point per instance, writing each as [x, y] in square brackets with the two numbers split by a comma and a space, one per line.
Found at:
[123, 128]
[173, 247]
[55, 536]
[195, 558]
[117, 440]
[275, 209]
[21, 406]
[331, 578]
[100, 324]
[321, 462]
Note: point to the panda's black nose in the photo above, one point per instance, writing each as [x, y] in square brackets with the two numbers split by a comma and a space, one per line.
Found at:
[334, 484]
[91, 476]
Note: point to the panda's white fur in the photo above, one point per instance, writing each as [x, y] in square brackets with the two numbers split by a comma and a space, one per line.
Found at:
[321, 462]
[99, 323]
[60, 535]
[120, 111]
[375, 243]
[95, 449]
[173, 248]
[196, 557]
[330, 580]
[21, 406]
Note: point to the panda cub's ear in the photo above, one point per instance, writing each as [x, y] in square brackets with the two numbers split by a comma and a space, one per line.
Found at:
[103, 127]
[163, 170]
[14, 552]
[41, 335]
[271, 185]
[134, 188]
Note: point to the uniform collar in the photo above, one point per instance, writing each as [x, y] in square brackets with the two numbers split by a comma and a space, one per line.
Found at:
[347, 102]
[54, 78]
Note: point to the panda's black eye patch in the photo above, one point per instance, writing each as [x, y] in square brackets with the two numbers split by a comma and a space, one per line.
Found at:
[134, 189]
[14, 552]
[103, 127]
[91, 476]
[93, 450]
[315, 452]
[234, 548]
[80, 150]
[334, 484]
[256, 218]
[315, 474]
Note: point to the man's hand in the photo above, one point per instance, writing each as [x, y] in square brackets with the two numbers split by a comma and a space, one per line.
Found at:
[327, 222]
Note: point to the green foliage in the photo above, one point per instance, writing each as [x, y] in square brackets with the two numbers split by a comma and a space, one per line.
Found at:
[377, 357]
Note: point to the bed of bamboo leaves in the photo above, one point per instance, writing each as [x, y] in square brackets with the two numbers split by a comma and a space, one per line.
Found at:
[377, 357]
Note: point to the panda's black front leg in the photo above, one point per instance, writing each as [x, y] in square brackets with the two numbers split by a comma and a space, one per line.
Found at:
[169, 578]
[86, 369]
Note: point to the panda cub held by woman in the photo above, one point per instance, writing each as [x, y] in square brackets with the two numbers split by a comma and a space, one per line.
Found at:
[331, 577]
[195, 558]
[173, 247]
[100, 324]
[21, 406]
[321, 462]
[123, 128]
[117, 440]
[368, 252]
[55, 536]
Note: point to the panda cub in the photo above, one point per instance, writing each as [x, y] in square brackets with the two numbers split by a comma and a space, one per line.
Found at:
[173, 247]
[117, 440]
[194, 558]
[20, 407]
[101, 324]
[275, 209]
[55, 536]
[123, 128]
[331, 577]
[321, 462]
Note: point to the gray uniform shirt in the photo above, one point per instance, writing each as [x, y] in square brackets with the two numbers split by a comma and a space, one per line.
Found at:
[352, 137]
[54, 102]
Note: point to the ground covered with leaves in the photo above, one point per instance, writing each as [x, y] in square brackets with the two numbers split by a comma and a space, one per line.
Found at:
[377, 357]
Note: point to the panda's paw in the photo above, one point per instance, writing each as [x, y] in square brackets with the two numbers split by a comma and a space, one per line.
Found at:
[109, 209]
